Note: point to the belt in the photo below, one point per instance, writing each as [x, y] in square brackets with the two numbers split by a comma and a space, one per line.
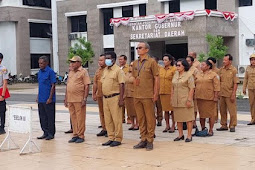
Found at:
[112, 95]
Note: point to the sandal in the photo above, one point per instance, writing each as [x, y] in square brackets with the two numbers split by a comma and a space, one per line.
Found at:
[167, 129]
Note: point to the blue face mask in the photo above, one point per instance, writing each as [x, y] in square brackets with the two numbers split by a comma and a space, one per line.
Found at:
[108, 62]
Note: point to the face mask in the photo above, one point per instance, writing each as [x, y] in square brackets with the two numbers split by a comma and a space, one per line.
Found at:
[108, 62]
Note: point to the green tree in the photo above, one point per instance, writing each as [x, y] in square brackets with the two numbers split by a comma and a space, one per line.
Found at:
[83, 49]
[216, 48]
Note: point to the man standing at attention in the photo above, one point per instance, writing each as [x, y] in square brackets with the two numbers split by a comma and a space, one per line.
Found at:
[113, 91]
[46, 98]
[146, 89]
[98, 94]
[77, 91]
[196, 63]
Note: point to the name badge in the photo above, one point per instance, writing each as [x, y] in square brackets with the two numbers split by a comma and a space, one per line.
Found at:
[137, 81]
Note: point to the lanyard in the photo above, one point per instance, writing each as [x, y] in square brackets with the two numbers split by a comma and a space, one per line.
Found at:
[140, 68]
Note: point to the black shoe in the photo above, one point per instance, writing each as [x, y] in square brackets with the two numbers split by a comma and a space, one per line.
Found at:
[131, 128]
[109, 142]
[2, 131]
[222, 129]
[106, 135]
[232, 129]
[159, 123]
[188, 140]
[79, 140]
[49, 137]
[115, 143]
[154, 136]
[251, 123]
[149, 146]
[100, 126]
[140, 145]
[166, 130]
[178, 139]
[42, 137]
[102, 133]
[69, 131]
[73, 139]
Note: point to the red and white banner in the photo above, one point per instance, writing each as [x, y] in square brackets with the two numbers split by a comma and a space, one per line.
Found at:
[179, 16]
[229, 15]
[117, 21]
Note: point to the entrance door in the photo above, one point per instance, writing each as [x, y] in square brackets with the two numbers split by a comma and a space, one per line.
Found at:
[177, 50]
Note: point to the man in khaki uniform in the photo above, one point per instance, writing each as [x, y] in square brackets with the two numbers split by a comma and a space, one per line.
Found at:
[228, 84]
[77, 91]
[113, 91]
[98, 94]
[196, 63]
[146, 89]
[124, 66]
[249, 81]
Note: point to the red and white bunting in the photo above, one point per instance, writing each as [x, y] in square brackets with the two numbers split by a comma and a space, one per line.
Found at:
[179, 16]
[229, 15]
[117, 21]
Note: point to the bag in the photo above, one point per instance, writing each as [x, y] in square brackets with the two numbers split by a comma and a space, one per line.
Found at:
[202, 133]
[7, 94]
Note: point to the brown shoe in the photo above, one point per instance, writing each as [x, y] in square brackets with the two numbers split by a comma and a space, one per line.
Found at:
[140, 145]
[222, 129]
[149, 146]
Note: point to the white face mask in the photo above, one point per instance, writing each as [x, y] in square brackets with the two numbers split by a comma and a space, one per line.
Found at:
[108, 62]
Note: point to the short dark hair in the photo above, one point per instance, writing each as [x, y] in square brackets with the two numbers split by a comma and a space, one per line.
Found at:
[191, 58]
[124, 56]
[102, 55]
[230, 57]
[184, 63]
[1, 56]
[212, 59]
[44, 58]
[170, 57]
[207, 62]
[112, 54]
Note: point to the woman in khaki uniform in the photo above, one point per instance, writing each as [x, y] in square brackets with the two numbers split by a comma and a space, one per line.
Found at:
[165, 78]
[249, 81]
[206, 94]
[129, 100]
[182, 99]
[193, 70]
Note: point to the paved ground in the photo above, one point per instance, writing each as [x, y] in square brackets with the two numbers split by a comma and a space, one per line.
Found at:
[224, 150]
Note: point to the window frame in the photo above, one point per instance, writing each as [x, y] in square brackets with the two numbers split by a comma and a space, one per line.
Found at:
[176, 8]
[251, 3]
[79, 19]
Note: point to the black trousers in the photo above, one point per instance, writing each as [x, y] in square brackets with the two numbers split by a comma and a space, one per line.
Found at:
[2, 114]
[47, 118]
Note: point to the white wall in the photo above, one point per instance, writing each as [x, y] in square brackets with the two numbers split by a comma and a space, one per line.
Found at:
[10, 2]
[246, 31]
[8, 45]
[192, 5]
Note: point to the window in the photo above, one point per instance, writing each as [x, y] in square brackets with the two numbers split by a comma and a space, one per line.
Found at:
[211, 4]
[38, 3]
[245, 3]
[174, 6]
[127, 11]
[35, 58]
[132, 51]
[142, 10]
[40, 30]
[108, 49]
[108, 14]
[79, 23]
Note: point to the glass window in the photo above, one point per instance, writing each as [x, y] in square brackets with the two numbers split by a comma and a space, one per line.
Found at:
[108, 49]
[38, 3]
[40, 30]
[174, 6]
[142, 10]
[211, 4]
[79, 23]
[245, 3]
[127, 11]
[35, 58]
[107, 14]
[132, 51]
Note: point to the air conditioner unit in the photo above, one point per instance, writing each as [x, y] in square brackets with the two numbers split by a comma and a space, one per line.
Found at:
[241, 70]
[250, 42]
[73, 36]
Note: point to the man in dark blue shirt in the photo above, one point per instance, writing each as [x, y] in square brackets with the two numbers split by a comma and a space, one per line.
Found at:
[46, 98]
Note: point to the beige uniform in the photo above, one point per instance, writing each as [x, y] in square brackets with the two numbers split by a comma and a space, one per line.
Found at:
[227, 80]
[125, 68]
[129, 99]
[111, 79]
[206, 85]
[159, 111]
[249, 82]
[193, 71]
[181, 87]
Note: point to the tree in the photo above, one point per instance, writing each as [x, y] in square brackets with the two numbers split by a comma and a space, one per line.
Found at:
[216, 48]
[83, 49]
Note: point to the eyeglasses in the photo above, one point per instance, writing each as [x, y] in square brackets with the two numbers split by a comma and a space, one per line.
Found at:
[139, 48]
[73, 61]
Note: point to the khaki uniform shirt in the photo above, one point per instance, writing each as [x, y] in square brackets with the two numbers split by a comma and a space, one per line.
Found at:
[227, 80]
[125, 68]
[196, 64]
[165, 79]
[181, 87]
[129, 84]
[76, 85]
[215, 70]
[97, 79]
[148, 69]
[206, 85]
[111, 79]
[193, 71]
[249, 78]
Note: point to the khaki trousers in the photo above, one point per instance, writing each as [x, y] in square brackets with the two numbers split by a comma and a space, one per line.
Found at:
[78, 118]
[101, 111]
[159, 110]
[252, 103]
[113, 118]
[146, 118]
[227, 105]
